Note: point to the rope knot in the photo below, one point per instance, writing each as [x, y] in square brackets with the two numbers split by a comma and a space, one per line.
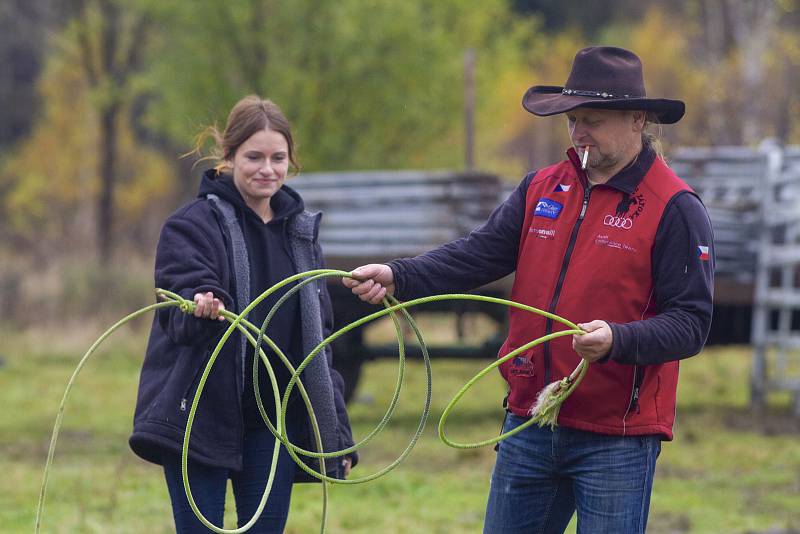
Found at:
[186, 306]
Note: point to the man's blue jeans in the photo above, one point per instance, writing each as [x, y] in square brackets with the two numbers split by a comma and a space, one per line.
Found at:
[209, 485]
[542, 476]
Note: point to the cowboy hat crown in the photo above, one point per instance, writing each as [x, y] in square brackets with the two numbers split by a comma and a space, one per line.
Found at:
[603, 77]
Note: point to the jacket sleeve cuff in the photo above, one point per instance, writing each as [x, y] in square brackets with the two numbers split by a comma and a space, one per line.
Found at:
[397, 274]
[618, 353]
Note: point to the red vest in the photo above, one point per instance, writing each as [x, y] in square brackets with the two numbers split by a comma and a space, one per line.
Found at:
[598, 266]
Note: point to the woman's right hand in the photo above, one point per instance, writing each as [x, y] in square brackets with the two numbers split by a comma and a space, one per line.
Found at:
[207, 306]
[371, 282]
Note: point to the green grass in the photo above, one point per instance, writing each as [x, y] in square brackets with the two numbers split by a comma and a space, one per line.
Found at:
[727, 471]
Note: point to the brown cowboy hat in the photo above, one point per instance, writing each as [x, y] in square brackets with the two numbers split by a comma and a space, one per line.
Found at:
[603, 77]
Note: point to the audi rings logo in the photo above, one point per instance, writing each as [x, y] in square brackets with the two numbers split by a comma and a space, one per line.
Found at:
[625, 223]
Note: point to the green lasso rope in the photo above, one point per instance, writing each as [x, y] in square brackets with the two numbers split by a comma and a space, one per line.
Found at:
[545, 412]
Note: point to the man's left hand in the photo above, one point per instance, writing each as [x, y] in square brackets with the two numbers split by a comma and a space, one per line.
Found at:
[595, 343]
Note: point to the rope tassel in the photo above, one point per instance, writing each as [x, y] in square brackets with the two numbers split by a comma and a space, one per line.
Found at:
[549, 401]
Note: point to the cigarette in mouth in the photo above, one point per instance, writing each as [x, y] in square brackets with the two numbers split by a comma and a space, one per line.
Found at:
[585, 157]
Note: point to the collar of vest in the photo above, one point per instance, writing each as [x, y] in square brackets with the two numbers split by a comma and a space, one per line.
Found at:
[628, 178]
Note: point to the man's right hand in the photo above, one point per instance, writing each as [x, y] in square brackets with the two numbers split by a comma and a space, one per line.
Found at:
[371, 282]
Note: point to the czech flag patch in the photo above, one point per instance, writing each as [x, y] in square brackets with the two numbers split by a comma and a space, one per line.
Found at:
[562, 188]
[702, 253]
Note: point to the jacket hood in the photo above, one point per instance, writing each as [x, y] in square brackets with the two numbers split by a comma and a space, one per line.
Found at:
[285, 203]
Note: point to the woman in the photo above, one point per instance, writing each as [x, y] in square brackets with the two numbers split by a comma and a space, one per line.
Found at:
[245, 232]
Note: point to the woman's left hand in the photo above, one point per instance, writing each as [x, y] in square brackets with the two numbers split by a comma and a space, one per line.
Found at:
[347, 464]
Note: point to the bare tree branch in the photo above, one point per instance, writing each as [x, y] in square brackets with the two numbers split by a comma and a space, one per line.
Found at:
[85, 44]
[109, 35]
[133, 61]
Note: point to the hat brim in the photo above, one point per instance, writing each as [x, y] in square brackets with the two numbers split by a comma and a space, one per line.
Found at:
[546, 100]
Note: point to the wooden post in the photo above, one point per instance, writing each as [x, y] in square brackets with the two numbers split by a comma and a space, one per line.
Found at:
[469, 108]
[759, 378]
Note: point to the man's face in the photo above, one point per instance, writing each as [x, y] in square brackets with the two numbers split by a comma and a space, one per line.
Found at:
[613, 137]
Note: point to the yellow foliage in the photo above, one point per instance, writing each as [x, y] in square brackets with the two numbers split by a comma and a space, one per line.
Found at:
[670, 71]
[148, 176]
[51, 178]
[523, 141]
[47, 173]
[781, 101]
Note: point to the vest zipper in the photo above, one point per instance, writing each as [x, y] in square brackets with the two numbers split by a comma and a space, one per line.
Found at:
[548, 329]
[633, 403]
[638, 377]
[635, 399]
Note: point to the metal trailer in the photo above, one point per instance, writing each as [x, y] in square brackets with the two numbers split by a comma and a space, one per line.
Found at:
[753, 198]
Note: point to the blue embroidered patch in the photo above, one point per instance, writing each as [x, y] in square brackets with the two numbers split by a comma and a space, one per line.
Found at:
[548, 208]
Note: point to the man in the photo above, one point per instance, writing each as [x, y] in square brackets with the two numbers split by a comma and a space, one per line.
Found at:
[622, 247]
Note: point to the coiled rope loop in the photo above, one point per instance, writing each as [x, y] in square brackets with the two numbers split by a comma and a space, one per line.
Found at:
[545, 411]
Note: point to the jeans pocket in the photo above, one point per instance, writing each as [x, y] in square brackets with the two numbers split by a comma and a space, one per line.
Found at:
[502, 427]
[651, 443]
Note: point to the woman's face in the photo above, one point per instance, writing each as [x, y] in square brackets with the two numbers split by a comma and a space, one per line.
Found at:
[259, 166]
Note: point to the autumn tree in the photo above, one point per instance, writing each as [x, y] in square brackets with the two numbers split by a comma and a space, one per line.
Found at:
[61, 183]
[748, 51]
[110, 38]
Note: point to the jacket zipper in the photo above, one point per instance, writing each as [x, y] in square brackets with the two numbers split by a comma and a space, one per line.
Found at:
[557, 293]
[195, 380]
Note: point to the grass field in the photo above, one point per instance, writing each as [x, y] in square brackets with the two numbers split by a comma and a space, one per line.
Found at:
[727, 471]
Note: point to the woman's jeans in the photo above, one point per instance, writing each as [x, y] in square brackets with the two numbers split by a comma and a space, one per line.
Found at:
[209, 485]
[542, 476]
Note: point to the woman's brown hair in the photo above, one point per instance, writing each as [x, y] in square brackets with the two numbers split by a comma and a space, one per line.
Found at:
[249, 115]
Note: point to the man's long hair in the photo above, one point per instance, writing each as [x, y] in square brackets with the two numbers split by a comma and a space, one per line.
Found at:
[651, 134]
